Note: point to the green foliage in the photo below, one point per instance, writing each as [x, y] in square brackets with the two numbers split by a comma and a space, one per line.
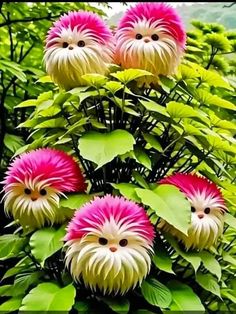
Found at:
[126, 138]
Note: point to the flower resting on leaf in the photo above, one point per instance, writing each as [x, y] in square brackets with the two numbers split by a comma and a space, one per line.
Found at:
[109, 242]
[207, 207]
[151, 37]
[34, 182]
[78, 43]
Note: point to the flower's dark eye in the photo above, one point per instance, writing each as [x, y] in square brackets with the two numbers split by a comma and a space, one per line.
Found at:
[123, 242]
[102, 241]
[81, 43]
[193, 209]
[138, 36]
[65, 44]
[155, 37]
[27, 191]
[43, 192]
[207, 210]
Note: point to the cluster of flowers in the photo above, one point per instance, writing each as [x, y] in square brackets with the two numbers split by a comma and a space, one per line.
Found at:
[109, 241]
[150, 36]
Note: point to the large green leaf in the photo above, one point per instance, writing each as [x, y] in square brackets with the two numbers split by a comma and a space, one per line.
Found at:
[152, 141]
[153, 106]
[156, 293]
[230, 220]
[127, 190]
[118, 305]
[46, 241]
[11, 245]
[168, 203]
[49, 297]
[211, 263]
[14, 68]
[179, 110]
[209, 283]
[75, 201]
[105, 146]
[129, 75]
[11, 305]
[23, 282]
[27, 103]
[13, 142]
[162, 259]
[184, 299]
[95, 79]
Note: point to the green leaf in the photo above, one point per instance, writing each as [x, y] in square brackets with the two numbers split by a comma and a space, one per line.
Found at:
[153, 106]
[139, 179]
[23, 282]
[230, 220]
[46, 241]
[106, 146]
[209, 283]
[162, 259]
[127, 190]
[210, 263]
[13, 142]
[143, 158]
[49, 297]
[118, 305]
[94, 79]
[113, 86]
[179, 110]
[129, 75]
[15, 69]
[184, 299]
[11, 305]
[11, 245]
[45, 79]
[27, 103]
[75, 201]
[5, 291]
[163, 200]
[151, 139]
[49, 112]
[52, 123]
[156, 293]
[229, 258]
[192, 257]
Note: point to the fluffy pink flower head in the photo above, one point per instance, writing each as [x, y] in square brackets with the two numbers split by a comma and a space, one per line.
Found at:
[78, 43]
[150, 36]
[34, 181]
[109, 241]
[207, 206]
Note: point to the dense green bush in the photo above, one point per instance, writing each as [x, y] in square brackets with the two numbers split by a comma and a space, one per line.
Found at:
[139, 135]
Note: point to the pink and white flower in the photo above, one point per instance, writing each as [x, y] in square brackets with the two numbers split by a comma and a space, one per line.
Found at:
[207, 207]
[109, 242]
[78, 43]
[34, 182]
[150, 36]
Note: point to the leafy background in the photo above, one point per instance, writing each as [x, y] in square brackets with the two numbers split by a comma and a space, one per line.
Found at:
[187, 124]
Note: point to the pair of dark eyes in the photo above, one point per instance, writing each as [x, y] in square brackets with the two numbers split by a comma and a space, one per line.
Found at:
[41, 192]
[154, 36]
[104, 241]
[80, 43]
[206, 210]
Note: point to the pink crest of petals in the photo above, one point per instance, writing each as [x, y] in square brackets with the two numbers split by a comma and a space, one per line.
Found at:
[150, 11]
[82, 20]
[192, 184]
[95, 213]
[56, 167]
